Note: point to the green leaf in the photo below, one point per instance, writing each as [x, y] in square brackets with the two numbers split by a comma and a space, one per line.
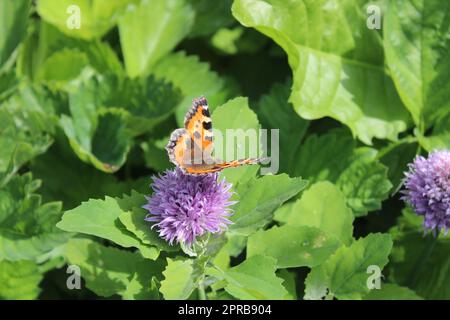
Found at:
[108, 271]
[210, 16]
[86, 182]
[236, 117]
[365, 184]
[416, 42]
[324, 157]
[91, 135]
[150, 30]
[180, 279]
[432, 280]
[290, 279]
[255, 279]
[258, 199]
[62, 67]
[194, 78]
[328, 71]
[323, 206]
[27, 226]
[293, 246]
[345, 272]
[396, 156]
[390, 291]
[440, 135]
[46, 47]
[291, 127]
[133, 218]
[101, 218]
[13, 26]
[19, 280]
[95, 17]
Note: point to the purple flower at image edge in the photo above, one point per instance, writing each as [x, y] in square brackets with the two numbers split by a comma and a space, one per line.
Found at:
[184, 207]
[427, 189]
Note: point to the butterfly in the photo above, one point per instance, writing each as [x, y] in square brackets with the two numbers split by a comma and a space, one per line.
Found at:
[190, 148]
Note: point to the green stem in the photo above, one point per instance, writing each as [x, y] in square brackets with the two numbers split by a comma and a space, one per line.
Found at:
[422, 259]
[201, 289]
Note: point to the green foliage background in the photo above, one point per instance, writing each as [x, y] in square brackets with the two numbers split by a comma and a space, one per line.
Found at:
[85, 115]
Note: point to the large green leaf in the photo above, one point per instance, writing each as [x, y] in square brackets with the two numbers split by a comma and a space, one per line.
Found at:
[101, 218]
[95, 17]
[150, 30]
[344, 274]
[27, 226]
[19, 280]
[255, 279]
[275, 112]
[258, 199]
[13, 26]
[323, 206]
[331, 53]
[417, 48]
[108, 271]
[194, 78]
[293, 246]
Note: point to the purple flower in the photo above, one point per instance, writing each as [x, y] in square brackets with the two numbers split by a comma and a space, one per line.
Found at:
[185, 207]
[428, 189]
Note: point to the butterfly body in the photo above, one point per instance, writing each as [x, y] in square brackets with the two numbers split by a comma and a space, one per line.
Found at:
[190, 148]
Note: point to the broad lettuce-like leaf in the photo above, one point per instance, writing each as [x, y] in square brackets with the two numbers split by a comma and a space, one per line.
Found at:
[331, 53]
[19, 280]
[95, 17]
[101, 218]
[13, 26]
[344, 274]
[27, 226]
[108, 271]
[323, 206]
[194, 78]
[151, 29]
[255, 279]
[259, 198]
[293, 246]
[416, 44]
